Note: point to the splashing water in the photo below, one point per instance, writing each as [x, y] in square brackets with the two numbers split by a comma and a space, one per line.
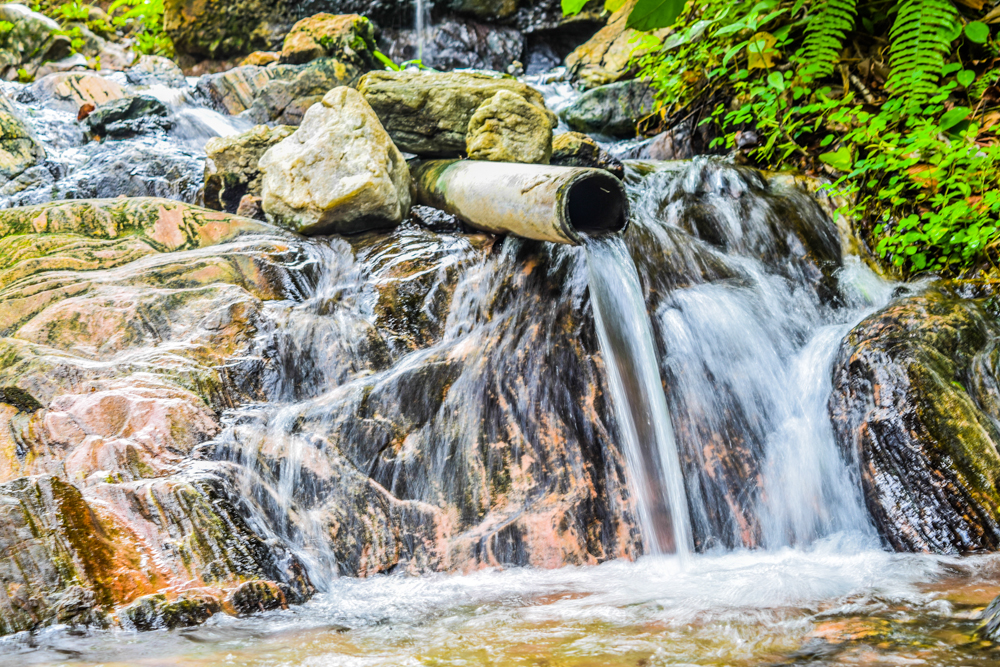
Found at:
[626, 339]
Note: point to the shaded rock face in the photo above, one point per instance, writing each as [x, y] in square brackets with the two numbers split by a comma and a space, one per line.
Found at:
[338, 173]
[506, 128]
[457, 43]
[33, 40]
[280, 93]
[221, 29]
[612, 110]
[231, 168]
[915, 408]
[428, 113]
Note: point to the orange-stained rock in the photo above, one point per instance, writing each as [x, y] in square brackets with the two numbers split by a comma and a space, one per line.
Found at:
[605, 57]
[347, 37]
[71, 90]
[261, 58]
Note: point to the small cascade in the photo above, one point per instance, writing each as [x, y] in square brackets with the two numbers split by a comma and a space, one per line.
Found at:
[422, 23]
[627, 345]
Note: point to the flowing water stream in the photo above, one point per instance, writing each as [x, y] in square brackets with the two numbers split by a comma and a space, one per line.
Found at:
[457, 384]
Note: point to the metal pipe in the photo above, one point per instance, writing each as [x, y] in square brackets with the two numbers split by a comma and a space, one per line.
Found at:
[535, 201]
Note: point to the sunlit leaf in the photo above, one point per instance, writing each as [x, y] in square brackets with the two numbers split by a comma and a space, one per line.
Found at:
[653, 14]
[977, 32]
[571, 7]
[839, 159]
[614, 5]
[953, 117]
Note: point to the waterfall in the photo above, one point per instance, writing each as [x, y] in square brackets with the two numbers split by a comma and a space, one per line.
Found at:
[626, 340]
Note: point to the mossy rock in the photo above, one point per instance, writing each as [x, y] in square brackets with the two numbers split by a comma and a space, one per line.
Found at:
[156, 612]
[914, 405]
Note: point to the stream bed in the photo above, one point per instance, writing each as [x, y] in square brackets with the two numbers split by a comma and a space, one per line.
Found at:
[839, 602]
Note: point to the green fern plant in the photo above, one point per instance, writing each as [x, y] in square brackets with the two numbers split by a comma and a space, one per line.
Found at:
[825, 34]
[920, 39]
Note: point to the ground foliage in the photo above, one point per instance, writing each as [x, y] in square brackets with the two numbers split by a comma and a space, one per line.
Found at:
[897, 101]
[139, 20]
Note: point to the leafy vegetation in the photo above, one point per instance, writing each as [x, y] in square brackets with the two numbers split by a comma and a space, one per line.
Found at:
[896, 101]
[139, 20]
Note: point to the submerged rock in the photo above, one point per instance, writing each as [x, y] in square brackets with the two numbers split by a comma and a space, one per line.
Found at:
[428, 113]
[156, 612]
[231, 168]
[914, 406]
[612, 110]
[507, 128]
[574, 149]
[348, 37]
[339, 173]
[128, 117]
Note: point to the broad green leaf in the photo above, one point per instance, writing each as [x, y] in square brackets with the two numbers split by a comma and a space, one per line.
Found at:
[776, 81]
[652, 14]
[839, 159]
[953, 117]
[977, 32]
[965, 78]
[571, 7]
[614, 5]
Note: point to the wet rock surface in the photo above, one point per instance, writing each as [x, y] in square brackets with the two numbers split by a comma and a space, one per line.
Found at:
[915, 407]
[457, 43]
[127, 117]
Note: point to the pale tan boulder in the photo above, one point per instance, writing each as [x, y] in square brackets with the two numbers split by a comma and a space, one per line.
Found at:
[339, 173]
[508, 128]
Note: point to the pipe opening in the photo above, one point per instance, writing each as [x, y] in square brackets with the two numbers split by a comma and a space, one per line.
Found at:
[596, 205]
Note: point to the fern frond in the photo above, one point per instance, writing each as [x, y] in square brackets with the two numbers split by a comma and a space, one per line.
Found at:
[825, 35]
[920, 39]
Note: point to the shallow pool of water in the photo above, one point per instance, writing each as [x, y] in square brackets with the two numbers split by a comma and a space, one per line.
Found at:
[840, 602]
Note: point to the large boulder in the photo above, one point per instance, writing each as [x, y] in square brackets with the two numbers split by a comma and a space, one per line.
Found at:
[428, 113]
[276, 94]
[19, 149]
[507, 128]
[613, 110]
[151, 70]
[338, 173]
[121, 338]
[915, 405]
[231, 168]
[347, 37]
